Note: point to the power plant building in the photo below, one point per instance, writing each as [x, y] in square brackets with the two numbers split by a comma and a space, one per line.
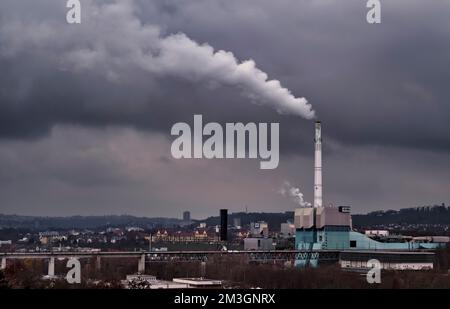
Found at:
[330, 228]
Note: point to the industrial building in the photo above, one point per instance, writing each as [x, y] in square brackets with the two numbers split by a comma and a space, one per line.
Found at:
[199, 282]
[140, 281]
[390, 260]
[320, 228]
[258, 229]
[287, 230]
[258, 243]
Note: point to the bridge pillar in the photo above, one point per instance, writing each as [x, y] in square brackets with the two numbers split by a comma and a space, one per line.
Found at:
[51, 267]
[3, 264]
[202, 269]
[98, 263]
[141, 264]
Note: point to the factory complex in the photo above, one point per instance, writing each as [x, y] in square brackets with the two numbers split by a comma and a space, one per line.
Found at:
[319, 229]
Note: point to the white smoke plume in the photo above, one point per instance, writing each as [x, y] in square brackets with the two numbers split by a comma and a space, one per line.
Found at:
[294, 193]
[112, 41]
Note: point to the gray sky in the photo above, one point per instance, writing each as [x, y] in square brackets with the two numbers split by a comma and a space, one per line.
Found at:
[86, 110]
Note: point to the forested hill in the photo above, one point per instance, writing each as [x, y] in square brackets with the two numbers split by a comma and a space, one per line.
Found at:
[425, 215]
[82, 222]
[417, 215]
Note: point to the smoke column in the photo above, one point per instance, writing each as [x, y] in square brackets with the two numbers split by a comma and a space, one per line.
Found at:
[294, 193]
[112, 41]
[223, 67]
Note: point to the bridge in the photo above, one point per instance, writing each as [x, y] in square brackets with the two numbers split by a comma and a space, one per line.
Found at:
[143, 257]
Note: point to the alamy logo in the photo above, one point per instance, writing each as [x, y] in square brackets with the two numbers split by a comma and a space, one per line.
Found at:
[74, 274]
[374, 273]
[74, 13]
[374, 14]
[190, 143]
[73, 16]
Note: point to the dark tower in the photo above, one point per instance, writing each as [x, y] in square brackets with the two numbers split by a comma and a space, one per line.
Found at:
[223, 224]
[186, 216]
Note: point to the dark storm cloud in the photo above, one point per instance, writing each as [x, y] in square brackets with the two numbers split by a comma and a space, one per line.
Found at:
[114, 66]
[381, 91]
[383, 84]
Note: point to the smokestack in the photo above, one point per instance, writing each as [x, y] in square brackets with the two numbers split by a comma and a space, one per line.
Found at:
[223, 224]
[318, 166]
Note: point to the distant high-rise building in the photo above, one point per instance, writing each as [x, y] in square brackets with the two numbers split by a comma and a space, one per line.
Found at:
[223, 224]
[186, 216]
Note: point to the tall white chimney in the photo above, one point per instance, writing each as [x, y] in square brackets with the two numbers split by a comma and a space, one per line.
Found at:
[318, 166]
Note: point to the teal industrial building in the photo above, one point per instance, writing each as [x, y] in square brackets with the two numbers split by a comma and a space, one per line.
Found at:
[329, 228]
[321, 228]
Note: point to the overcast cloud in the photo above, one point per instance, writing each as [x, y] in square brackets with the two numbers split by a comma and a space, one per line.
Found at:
[86, 110]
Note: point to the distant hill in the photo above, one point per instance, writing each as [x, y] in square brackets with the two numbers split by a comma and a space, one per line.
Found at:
[426, 215]
[94, 222]
[82, 222]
